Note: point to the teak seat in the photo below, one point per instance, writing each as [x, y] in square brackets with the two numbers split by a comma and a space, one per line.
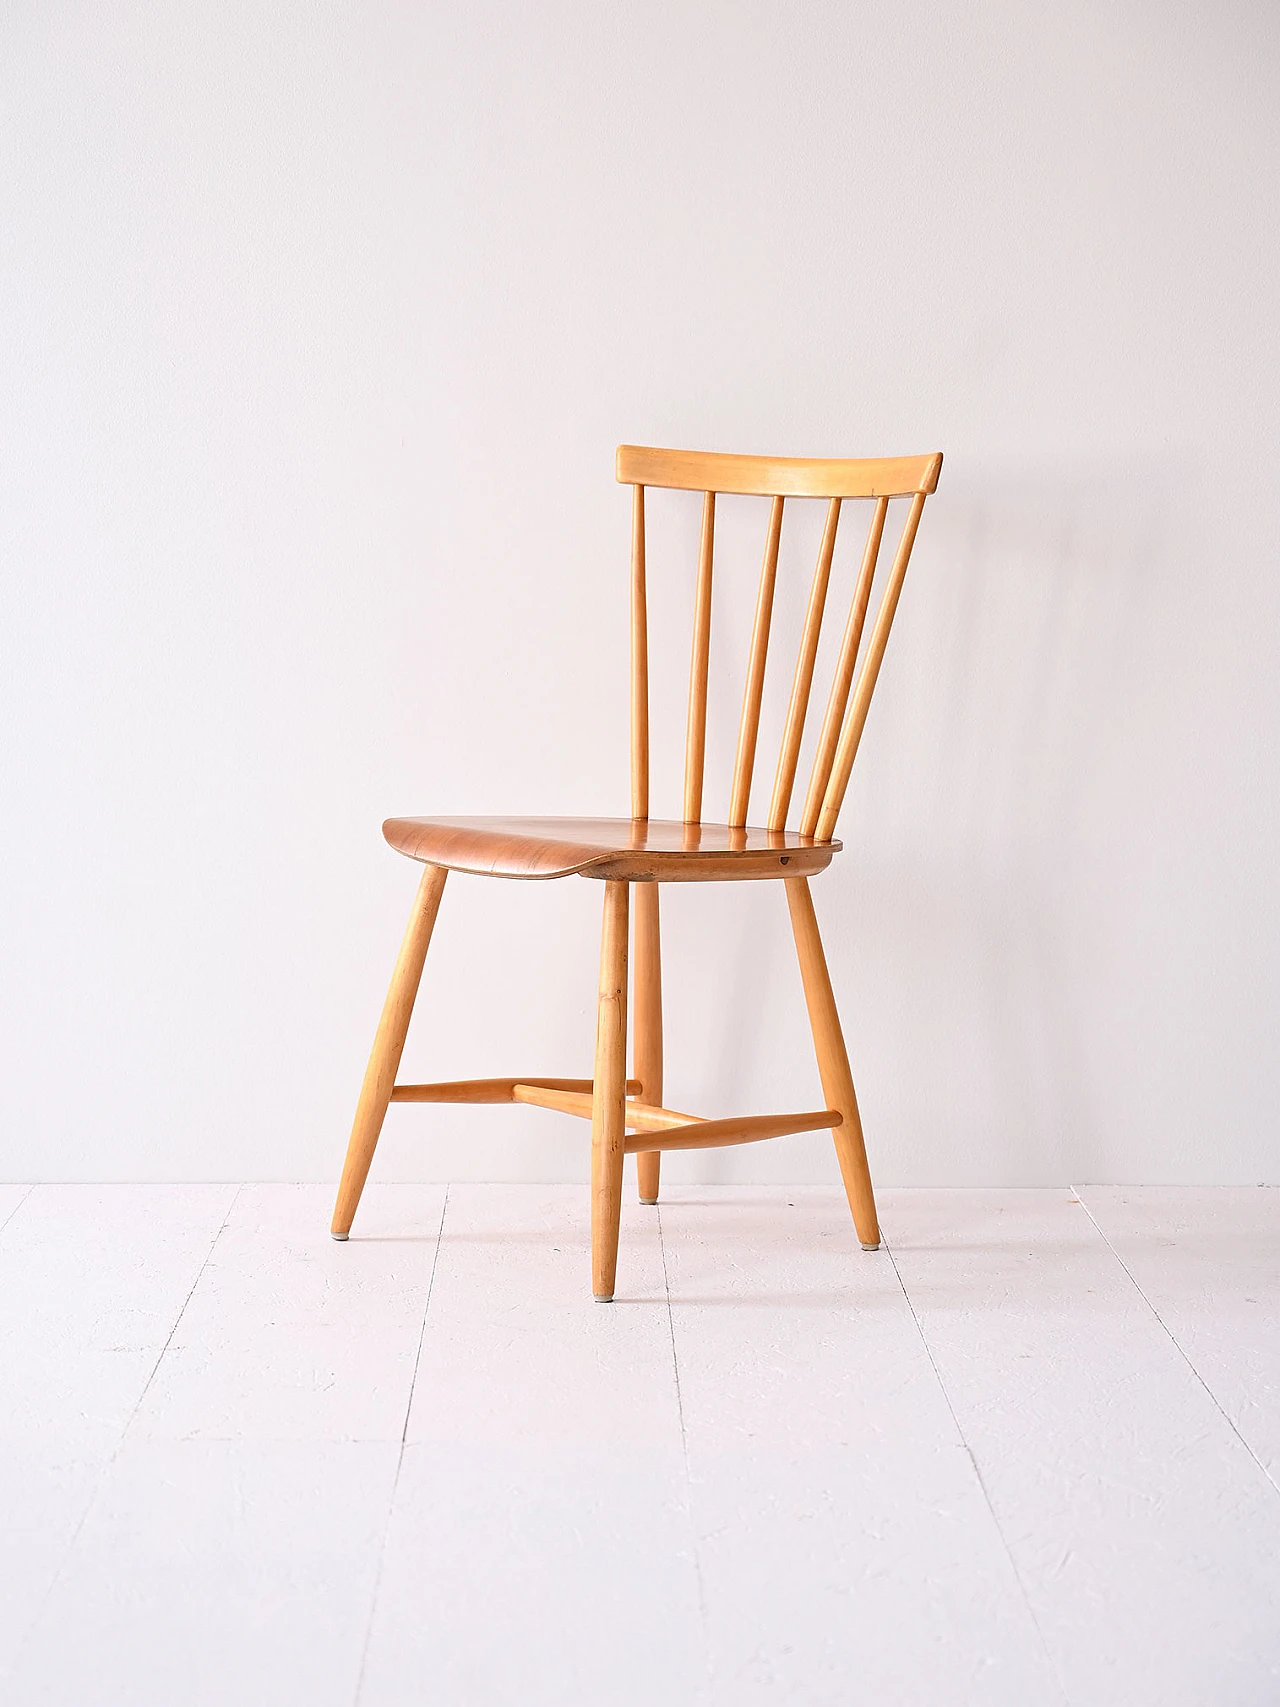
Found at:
[627, 1115]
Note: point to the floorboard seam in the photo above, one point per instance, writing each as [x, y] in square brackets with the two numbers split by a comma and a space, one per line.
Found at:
[982, 1486]
[17, 1206]
[404, 1436]
[109, 1463]
[177, 1322]
[1173, 1340]
[684, 1444]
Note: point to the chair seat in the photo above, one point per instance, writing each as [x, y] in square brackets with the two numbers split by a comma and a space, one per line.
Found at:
[626, 849]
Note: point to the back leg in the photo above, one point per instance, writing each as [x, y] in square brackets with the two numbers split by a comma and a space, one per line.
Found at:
[647, 1022]
[388, 1046]
[833, 1062]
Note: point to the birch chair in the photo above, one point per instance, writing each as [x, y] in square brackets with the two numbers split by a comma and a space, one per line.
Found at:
[627, 1115]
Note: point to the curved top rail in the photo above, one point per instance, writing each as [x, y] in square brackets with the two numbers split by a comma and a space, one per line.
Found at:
[779, 476]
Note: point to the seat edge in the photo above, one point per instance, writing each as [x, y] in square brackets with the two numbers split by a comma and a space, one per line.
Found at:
[456, 850]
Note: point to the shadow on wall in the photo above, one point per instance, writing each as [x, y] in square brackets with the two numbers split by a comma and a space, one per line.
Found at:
[1022, 751]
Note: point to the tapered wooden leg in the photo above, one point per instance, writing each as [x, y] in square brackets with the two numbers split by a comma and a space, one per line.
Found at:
[609, 1094]
[388, 1046]
[833, 1062]
[646, 1023]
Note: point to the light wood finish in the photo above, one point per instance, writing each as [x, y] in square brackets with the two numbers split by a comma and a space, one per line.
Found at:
[646, 1022]
[647, 851]
[494, 1090]
[609, 1093]
[856, 717]
[639, 663]
[660, 1129]
[539, 1094]
[824, 756]
[695, 746]
[738, 1129]
[652, 1117]
[749, 726]
[388, 1046]
[778, 476]
[642, 1116]
[833, 1062]
[798, 708]
[726, 867]
[636, 849]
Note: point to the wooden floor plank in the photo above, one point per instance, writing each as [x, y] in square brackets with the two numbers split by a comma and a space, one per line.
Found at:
[540, 1549]
[845, 1546]
[768, 1473]
[93, 1279]
[11, 1199]
[211, 1572]
[1145, 1534]
[292, 1335]
[1208, 1263]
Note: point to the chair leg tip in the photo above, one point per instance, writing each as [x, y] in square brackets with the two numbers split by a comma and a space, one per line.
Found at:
[340, 1237]
[603, 1297]
[874, 1247]
[649, 1202]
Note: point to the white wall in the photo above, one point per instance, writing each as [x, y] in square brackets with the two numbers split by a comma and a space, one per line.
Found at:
[320, 325]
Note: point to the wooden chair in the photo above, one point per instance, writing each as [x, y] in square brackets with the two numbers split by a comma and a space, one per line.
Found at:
[627, 1115]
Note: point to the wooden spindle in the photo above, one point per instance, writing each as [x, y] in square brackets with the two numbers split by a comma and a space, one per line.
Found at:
[696, 741]
[749, 727]
[824, 757]
[860, 704]
[639, 663]
[793, 734]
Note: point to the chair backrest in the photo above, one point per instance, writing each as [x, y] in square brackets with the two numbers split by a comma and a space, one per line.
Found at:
[777, 478]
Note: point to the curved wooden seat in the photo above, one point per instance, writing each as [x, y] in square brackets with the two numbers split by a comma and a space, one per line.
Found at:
[631, 850]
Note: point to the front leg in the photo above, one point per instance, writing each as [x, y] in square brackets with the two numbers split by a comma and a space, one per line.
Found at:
[609, 1093]
[388, 1045]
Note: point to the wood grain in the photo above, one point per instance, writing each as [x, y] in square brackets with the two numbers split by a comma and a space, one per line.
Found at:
[639, 663]
[640, 1116]
[856, 717]
[737, 1129]
[540, 1093]
[802, 682]
[493, 1090]
[638, 850]
[846, 663]
[695, 745]
[648, 852]
[749, 725]
[660, 1129]
[646, 1022]
[609, 1093]
[779, 476]
[388, 1046]
[833, 1062]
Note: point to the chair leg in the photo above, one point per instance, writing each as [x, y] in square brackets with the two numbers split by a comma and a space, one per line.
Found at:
[609, 1094]
[647, 1023]
[833, 1062]
[388, 1046]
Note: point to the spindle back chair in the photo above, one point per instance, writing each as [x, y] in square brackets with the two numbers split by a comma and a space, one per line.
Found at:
[627, 1115]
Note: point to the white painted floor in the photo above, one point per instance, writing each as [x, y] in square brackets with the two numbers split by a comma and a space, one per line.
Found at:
[1029, 1452]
